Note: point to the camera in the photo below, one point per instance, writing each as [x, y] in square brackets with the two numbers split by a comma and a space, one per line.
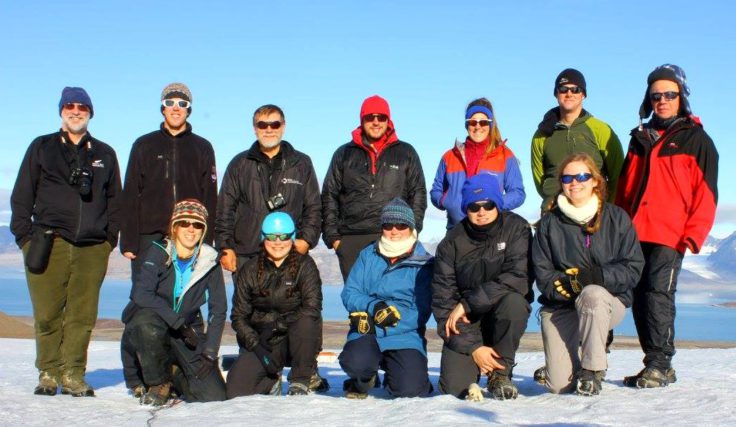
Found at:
[276, 202]
[82, 177]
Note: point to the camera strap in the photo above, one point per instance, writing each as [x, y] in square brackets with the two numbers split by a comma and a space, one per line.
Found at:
[268, 190]
[71, 152]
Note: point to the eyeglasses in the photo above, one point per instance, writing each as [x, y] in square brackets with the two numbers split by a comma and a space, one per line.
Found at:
[581, 177]
[180, 103]
[369, 118]
[273, 125]
[669, 96]
[573, 89]
[389, 227]
[187, 224]
[487, 206]
[274, 237]
[81, 107]
[473, 123]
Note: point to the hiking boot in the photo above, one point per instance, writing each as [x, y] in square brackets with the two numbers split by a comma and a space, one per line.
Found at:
[298, 389]
[651, 377]
[137, 391]
[74, 384]
[354, 388]
[157, 395]
[318, 384]
[501, 387]
[47, 384]
[540, 375]
[590, 383]
[276, 388]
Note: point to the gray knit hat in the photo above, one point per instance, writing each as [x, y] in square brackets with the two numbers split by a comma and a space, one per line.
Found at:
[397, 211]
[176, 90]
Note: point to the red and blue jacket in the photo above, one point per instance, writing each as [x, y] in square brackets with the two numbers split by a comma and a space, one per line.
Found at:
[446, 193]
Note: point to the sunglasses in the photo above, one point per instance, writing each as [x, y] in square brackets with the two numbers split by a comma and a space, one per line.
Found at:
[273, 125]
[473, 123]
[81, 107]
[369, 118]
[573, 89]
[581, 177]
[275, 237]
[475, 206]
[180, 103]
[669, 96]
[389, 227]
[187, 224]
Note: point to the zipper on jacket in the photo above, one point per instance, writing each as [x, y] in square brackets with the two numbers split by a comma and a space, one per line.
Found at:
[173, 168]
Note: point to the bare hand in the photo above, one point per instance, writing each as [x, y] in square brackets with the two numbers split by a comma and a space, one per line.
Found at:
[457, 314]
[336, 245]
[301, 246]
[487, 360]
[229, 261]
[129, 255]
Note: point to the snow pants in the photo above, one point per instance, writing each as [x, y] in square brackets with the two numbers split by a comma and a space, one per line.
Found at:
[406, 370]
[148, 339]
[654, 304]
[575, 338]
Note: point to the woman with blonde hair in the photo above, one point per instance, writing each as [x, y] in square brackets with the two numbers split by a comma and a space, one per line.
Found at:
[587, 261]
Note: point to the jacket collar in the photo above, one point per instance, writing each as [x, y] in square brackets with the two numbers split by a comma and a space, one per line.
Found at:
[184, 133]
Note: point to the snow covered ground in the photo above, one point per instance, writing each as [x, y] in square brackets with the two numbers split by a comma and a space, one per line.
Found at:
[704, 395]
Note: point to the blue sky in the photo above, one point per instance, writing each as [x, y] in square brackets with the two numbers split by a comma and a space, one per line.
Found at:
[319, 60]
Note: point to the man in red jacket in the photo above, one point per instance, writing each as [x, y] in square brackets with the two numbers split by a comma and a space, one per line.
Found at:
[668, 186]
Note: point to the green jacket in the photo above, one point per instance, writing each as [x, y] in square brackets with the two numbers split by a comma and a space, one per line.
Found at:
[554, 141]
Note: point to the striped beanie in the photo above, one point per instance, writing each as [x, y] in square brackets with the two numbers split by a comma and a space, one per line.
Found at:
[397, 211]
[189, 210]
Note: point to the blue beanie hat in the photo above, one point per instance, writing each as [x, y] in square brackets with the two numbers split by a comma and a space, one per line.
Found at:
[75, 95]
[483, 186]
[397, 211]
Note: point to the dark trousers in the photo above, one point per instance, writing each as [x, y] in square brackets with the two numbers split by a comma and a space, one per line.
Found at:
[148, 339]
[406, 370]
[654, 304]
[502, 329]
[350, 247]
[247, 375]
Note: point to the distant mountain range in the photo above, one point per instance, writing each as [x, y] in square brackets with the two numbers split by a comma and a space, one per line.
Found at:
[723, 260]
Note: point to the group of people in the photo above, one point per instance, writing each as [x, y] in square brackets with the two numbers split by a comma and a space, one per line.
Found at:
[604, 243]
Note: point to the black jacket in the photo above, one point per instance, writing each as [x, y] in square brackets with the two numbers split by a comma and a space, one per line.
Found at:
[352, 196]
[279, 294]
[477, 269]
[164, 169]
[155, 290]
[44, 199]
[246, 187]
[560, 243]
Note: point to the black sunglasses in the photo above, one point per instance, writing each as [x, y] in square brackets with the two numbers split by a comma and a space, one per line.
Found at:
[187, 224]
[389, 227]
[472, 123]
[476, 206]
[669, 96]
[581, 177]
[274, 237]
[368, 118]
[272, 125]
[573, 89]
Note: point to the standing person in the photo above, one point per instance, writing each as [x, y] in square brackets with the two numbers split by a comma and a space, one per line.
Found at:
[66, 218]
[483, 151]
[569, 129]
[587, 261]
[163, 321]
[277, 314]
[388, 297]
[481, 291]
[671, 162]
[364, 175]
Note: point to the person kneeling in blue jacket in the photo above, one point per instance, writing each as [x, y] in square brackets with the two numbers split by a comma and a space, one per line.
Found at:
[388, 297]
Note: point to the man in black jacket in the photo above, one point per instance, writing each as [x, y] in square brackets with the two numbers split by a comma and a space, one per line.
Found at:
[481, 292]
[364, 175]
[165, 166]
[65, 217]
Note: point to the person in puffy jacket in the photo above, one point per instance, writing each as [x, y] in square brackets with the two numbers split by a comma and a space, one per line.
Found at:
[164, 331]
[587, 261]
[481, 292]
[483, 151]
[276, 315]
[388, 297]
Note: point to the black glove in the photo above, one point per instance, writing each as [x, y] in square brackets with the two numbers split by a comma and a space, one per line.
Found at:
[189, 335]
[568, 286]
[207, 363]
[273, 333]
[267, 360]
[385, 315]
[590, 276]
[361, 322]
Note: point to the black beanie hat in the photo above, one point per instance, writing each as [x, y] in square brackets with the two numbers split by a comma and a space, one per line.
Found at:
[570, 76]
[672, 73]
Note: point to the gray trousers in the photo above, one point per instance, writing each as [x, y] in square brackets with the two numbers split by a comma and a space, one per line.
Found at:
[576, 338]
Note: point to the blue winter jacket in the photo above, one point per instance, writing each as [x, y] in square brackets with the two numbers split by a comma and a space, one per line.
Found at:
[405, 285]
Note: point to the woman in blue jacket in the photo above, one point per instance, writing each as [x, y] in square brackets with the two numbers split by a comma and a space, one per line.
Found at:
[388, 297]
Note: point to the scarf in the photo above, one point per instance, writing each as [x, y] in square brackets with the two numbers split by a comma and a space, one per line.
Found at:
[393, 248]
[581, 215]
